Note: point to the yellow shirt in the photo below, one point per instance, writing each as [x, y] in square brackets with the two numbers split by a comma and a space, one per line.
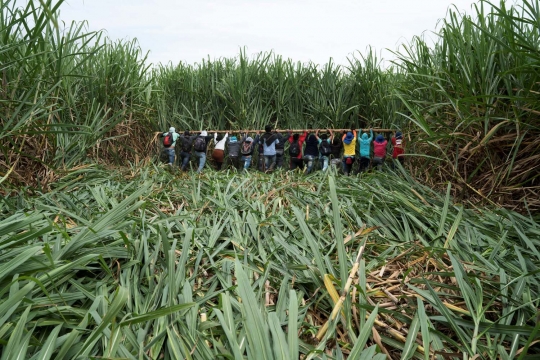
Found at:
[349, 149]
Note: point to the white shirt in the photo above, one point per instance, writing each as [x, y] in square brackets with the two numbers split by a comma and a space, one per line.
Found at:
[220, 145]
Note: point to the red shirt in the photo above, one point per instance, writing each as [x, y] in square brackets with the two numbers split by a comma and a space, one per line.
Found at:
[301, 140]
[379, 149]
[399, 147]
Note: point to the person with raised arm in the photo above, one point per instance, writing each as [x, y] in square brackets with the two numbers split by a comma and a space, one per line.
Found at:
[233, 149]
[295, 149]
[379, 151]
[169, 141]
[365, 150]
[349, 151]
[219, 149]
[186, 143]
[337, 148]
[269, 141]
[280, 150]
[311, 151]
[325, 149]
[246, 149]
[200, 145]
[399, 148]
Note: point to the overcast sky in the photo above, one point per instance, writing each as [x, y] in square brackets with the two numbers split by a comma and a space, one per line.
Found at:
[302, 30]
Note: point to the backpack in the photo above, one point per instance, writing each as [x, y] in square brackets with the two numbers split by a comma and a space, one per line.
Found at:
[200, 144]
[186, 144]
[294, 149]
[168, 140]
[325, 148]
[246, 148]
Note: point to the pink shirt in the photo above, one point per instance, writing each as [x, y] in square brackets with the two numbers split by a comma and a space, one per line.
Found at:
[379, 149]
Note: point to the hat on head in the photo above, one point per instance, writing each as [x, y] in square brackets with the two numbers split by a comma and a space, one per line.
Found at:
[233, 139]
[379, 138]
[349, 138]
[186, 132]
[399, 135]
[249, 139]
[171, 129]
[204, 133]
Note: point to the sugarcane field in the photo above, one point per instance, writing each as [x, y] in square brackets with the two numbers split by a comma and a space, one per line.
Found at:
[259, 207]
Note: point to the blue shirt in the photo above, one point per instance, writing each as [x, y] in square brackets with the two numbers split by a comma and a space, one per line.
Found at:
[365, 144]
[271, 149]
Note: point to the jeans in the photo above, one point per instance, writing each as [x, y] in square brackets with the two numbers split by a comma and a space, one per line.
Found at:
[324, 160]
[184, 158]
[364, 163]
[347, 168]
[260, 161]
[202, 159]
[269, 162]
[309, 159]
[233, 161]
[171, 154]
[279, 160]
[247, 161]
[378, 162]
[297, 163]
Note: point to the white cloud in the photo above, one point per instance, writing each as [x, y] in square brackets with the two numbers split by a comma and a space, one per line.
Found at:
[303, 30]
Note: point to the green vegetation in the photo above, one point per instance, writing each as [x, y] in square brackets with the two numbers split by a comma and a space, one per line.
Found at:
[125, 265]
[104, 255]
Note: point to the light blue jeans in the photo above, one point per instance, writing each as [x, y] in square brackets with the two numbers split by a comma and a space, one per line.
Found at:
[247, 161]
[269, 162]
[324, 160]
[184, 158]
[170, 152]
[202, 159]
[309, 159]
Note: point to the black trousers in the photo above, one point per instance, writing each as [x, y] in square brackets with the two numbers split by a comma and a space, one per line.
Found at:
[297, 163]
[233, 161]
[260, 161]
[279, 160]
[364, 163]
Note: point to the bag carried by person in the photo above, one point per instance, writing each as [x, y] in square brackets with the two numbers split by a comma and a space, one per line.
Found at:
[168, 140]
[294, 149]
[349, 160]
[186, 144]
[200, 144]
[246, 148]
[325, 148]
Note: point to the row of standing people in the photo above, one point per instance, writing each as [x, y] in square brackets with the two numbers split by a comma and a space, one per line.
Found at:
[304, 150]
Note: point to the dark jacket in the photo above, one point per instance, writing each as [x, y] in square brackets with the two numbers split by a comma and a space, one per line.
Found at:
[337, 147]
[312, 146]
[255, 141]
[234, 147]
[206, 140]
[280, 146]
[186, 142]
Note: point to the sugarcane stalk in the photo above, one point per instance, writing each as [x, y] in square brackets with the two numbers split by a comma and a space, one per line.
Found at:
[343, 296]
